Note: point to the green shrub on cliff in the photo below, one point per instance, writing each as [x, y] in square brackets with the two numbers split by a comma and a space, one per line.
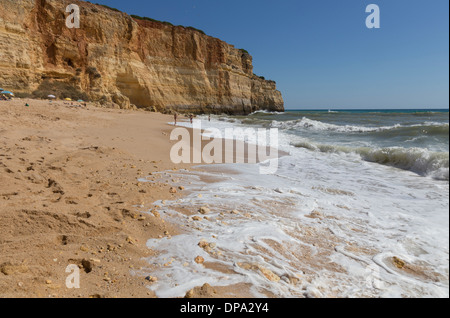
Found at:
[194, 29]
[137, 17]
[150, 19]
[105, 6]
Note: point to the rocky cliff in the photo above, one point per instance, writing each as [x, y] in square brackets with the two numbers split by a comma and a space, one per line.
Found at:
[115, 58]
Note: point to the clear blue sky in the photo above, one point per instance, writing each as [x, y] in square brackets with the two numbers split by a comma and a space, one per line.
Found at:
[320, 52]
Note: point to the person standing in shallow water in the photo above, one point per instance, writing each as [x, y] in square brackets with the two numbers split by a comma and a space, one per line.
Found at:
[192, 118]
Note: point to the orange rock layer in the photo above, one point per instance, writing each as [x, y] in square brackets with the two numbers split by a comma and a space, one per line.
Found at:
[115, 58]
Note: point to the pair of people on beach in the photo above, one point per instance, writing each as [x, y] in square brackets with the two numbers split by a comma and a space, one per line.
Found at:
[175, 117]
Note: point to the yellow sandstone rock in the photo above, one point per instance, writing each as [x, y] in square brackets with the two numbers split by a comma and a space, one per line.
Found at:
[119, 61]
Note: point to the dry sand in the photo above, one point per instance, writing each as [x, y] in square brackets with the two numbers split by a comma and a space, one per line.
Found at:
[69, 195]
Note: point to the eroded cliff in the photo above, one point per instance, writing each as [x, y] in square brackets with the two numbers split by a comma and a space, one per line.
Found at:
[115, 58]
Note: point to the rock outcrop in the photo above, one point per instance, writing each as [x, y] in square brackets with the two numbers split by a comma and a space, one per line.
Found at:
[115, 58]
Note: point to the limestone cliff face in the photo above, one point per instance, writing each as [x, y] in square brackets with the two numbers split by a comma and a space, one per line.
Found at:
[115, 58]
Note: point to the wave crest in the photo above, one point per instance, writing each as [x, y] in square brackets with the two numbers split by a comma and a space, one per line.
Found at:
[420, 161]
[306, 123]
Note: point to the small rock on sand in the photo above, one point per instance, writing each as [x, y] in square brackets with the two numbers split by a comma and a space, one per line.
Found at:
[173, 190]
[190, 294]
[87, 265]
[400, 264]
[10, 269]
[206, 291]
[151, 279]
[269, 274]
[204, 210]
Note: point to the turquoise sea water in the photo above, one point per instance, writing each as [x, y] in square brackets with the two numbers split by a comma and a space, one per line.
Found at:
[415, 140]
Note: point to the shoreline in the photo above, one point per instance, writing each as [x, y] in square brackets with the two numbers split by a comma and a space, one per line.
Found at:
[71, 195]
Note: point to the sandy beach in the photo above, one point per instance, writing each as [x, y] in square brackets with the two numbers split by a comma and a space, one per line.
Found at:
[69, 195]
[96, 188]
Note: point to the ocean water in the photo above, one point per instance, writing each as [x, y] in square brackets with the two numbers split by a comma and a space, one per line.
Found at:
[359, 208]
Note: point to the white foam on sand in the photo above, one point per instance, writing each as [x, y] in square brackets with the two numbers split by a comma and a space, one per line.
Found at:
[387, 218]
[363, 215]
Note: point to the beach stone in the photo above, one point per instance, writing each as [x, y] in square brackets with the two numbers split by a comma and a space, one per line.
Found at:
[10, 269]
[204, 210]
[189, 294]
[87, 265]
[197, 218]
[199, 260]
[151, 279]
[173, 190]
[203, 244]
[269, 274]
[206, 291]
[291, 279]
[400, 264]
[212, 245]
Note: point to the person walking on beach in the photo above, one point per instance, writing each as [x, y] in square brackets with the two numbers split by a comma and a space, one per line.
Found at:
[209, 118]
[175, 117]
[192, 118]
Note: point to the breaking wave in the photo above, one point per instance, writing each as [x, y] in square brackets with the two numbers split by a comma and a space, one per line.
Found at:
[306, 123]
[418, 160]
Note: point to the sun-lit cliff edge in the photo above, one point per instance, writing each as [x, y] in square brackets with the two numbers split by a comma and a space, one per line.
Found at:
[115, 58]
